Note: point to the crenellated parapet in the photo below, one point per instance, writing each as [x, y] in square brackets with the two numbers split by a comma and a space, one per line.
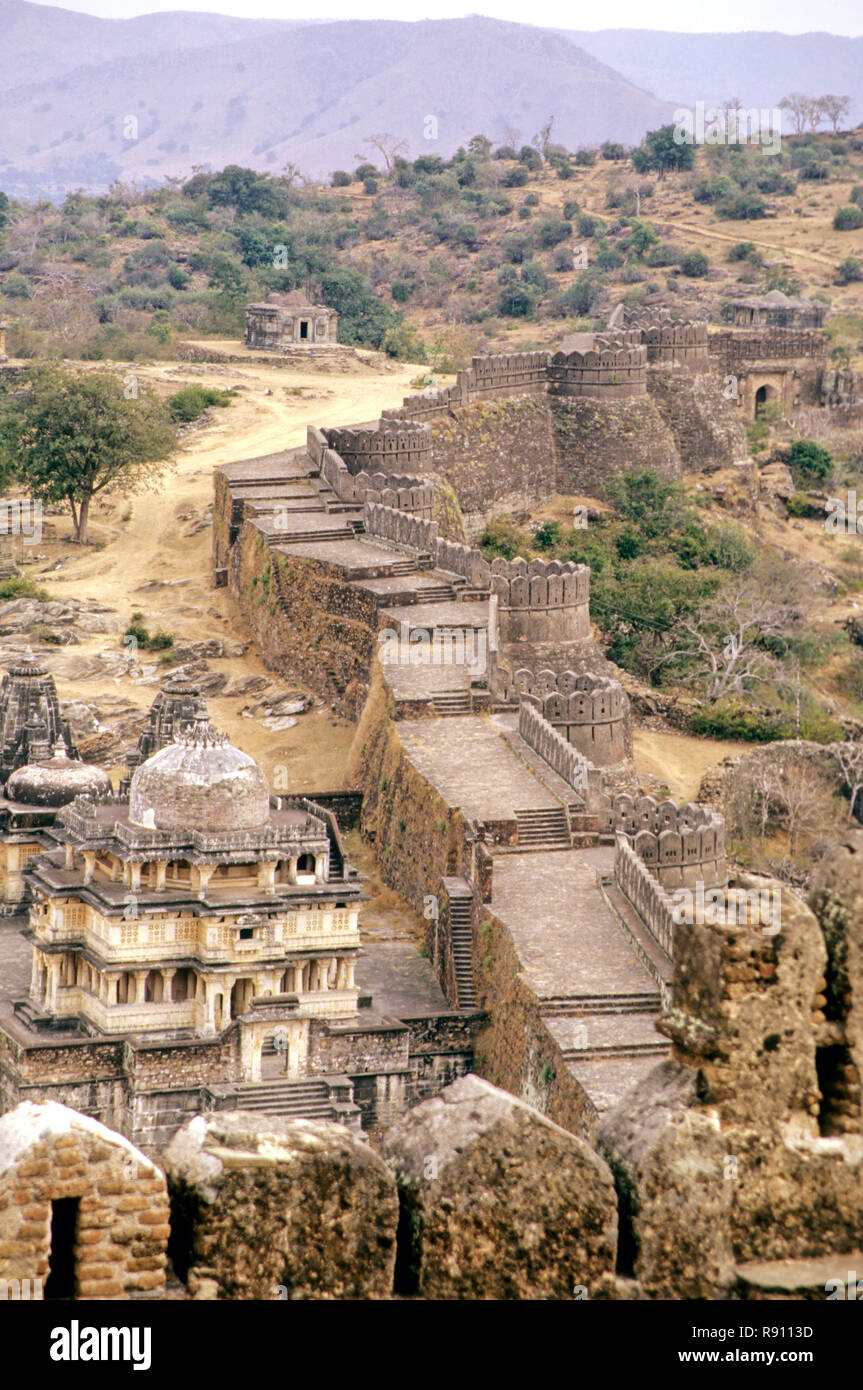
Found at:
[569, 764]
[384, 447]
[778, 346]
[488, 377]
[589, 711]
[681, 845]
[541, 601]
[670, 342]
[603, 372]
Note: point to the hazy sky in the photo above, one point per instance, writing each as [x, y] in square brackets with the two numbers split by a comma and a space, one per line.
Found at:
[786, 16]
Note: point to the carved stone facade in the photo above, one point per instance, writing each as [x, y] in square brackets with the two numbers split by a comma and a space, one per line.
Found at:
[290, 321]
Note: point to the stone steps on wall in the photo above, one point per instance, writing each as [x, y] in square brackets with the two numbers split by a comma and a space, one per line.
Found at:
[456, 702]
[592, 1054]
[573, 1005]
[649, 952]
[547, 828]
[299, 1099]
[461, 934]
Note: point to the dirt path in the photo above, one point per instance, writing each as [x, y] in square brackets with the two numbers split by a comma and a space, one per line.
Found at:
[158, 560]
[679, 760]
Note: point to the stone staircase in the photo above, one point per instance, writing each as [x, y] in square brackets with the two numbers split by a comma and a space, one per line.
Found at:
[296, 1099]
[575, 1005]
[461, 932]
[451, 702]
[544, 828]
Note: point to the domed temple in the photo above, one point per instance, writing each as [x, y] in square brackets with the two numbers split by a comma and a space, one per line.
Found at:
[193, 944]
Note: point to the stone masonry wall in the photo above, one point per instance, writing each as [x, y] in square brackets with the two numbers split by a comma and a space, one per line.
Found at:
[49, 1153]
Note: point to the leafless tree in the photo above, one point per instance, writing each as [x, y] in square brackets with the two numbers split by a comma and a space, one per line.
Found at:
[800, 107]
[542, 140]
[389, 147]
[849, 756]
[726, 638]
[835, 109]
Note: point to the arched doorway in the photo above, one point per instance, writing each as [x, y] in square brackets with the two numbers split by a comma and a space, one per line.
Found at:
[765, 395]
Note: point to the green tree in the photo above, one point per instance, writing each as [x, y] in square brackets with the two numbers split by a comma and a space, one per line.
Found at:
[660, 151]
[73, 434]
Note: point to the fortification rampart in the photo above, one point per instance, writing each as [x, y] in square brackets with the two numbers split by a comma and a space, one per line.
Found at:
[559, 753]
[682, 846]
[383, 447]
[488, 377]
[603, 373]
[589, 711]
[653, 904]
[766, 346]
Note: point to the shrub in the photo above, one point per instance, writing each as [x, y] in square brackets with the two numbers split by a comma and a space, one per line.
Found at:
[798, 504]
[402, 291]
[745, 207]
[190, 403]
[847, 219]
[585, 158]
[580, 297]
[547, 535]
[570, 209]
[551, 232]
[155, 642]
[365, 171]
[516, 177]
[856, 194]
[341, 179]
[850, 269]
[590, 226]
[16, 287]
[370, 186]
[695, 265]
[809, 461]
[732, 718]
[745, 251]
[610, 150]
[515, 301]
[17, 587]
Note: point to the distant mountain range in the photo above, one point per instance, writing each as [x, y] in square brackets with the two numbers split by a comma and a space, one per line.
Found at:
[87, 100]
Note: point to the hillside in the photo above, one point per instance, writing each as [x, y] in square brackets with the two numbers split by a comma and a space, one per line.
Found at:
[216, 93]
[758, 67]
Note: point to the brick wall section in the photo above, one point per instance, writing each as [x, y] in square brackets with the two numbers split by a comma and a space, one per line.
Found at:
[48, 1152]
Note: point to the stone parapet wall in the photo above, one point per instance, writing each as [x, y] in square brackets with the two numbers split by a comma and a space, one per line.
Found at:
[405, 491]
[767, 346]
[669, 342]
[605, 373]
[383, 446]
[503, 374]
[653, 904]
[682, 846]
[560, 755]
[589, 711]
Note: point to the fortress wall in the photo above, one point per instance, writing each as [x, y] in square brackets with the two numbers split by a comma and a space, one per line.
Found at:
[420, 838]
[327, 631]
[767, 346]
[682, 846]
[608, 374]
[591, 712]
[386, 447]
[595, 440]
[704, 425]
[559, 753]
[650, 900]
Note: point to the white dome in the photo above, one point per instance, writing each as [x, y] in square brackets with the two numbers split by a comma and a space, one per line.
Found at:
[200, 782]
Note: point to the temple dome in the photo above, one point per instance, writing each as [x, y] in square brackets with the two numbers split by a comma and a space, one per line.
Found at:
[57, 780]
[200, 782]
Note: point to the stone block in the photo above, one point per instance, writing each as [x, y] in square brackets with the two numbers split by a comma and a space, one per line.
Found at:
[268, 1202]
[500, 1203]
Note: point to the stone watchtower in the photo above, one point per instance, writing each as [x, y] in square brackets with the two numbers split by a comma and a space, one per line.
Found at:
[286, 321]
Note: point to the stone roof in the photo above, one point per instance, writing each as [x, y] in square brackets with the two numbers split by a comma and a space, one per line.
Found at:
[294, 300]
[201, 781]
[57, 780]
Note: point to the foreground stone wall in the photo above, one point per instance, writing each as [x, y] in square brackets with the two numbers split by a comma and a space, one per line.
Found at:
[728, 1153]
[498, 1202]
[590, 711]
[117, 1212]
[264, 1208]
